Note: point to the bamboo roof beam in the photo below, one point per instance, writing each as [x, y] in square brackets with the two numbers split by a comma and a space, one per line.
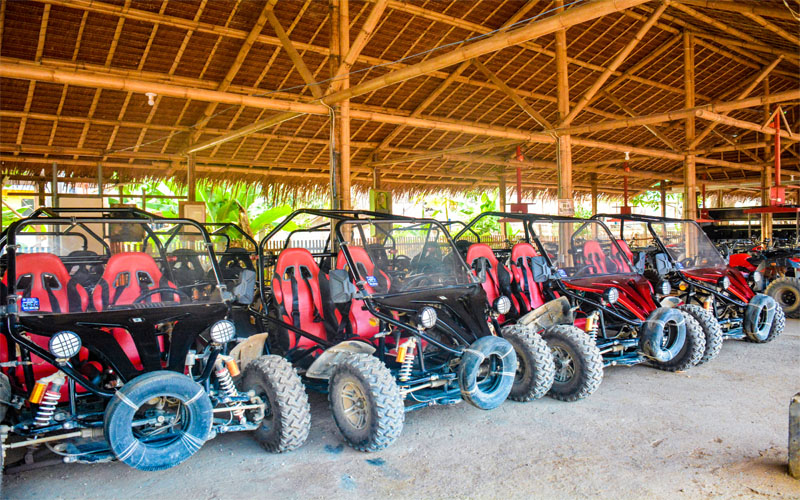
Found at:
[435, 154]
[551, 24]
[624, 107]
[615, 63]
[772, 27]
[291, 51]
[32, 84]
[359, 42]
[681, 114]
[519, 101]
[727, 120]
[759, 7]
[649, 59]
[733, 42]
[737, 147]
[743, 94]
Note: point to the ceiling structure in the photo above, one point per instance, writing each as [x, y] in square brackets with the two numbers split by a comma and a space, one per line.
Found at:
[439, 93]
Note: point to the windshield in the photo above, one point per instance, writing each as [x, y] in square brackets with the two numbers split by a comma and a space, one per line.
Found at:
[98, 264]
[687, 245]
[391, 256]
[581, 248]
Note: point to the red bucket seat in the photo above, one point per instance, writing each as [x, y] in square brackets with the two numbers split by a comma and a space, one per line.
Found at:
[498, 277]
[522, 271]
[377, 282]
[295, 285]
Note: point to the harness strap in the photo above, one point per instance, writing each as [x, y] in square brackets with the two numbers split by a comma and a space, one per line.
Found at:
[73, 297]
[306, 278]
[295, 299]
[54, 305]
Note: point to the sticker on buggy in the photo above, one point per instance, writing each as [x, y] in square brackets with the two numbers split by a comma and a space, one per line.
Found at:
[562, 273]
[30, 304]
[678, 265]
[372, 281]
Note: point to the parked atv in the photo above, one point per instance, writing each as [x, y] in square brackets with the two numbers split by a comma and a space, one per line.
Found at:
[773, 270]
[106, 356]
[615, 305]
[382, 314]
[681, 261]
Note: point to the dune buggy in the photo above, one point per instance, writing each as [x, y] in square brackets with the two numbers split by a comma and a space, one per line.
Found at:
[106, 354]
[771, 269]
[614, 305]
[688, 270]
[382, 314]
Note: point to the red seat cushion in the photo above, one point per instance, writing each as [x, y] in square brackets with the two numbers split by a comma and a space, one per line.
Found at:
[294, 264]
[521, 254]
[492, 283]
[622, 265]
[359, 315]
[126, 276]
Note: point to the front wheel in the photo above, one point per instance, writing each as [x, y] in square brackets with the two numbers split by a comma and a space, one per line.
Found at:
[158, 420]
[578, 363]
[535, 367]
[287, 414]
[366, 403]
[692, 350]
[710, 327]
[786, 292]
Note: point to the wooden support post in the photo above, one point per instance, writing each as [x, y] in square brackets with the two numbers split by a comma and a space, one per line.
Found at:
[344, 109]
[689, 173]
[502, 201]
[563, 145]
[720, 199]
[766, 177]
[54, 187]
[662, 188]
[100, 181]
[594, 193]
[191, 181]
[41, 192]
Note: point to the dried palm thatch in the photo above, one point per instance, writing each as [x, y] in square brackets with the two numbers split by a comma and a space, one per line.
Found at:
[74, 76]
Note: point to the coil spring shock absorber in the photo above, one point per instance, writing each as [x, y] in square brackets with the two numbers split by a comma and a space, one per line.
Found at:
[405, 356]
[593, 325]
[224, 366]
[46, 393]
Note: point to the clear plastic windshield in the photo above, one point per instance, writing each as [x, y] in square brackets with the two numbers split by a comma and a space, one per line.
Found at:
[103, 264]
[402, 256]
[687, 244]
[581, 249]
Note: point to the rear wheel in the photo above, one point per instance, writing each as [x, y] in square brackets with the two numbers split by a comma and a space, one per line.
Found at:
[535, 365]
[578, 363]
[710, 327]
[693, 348]
[287, 414]
[366, 403]
[786, 292]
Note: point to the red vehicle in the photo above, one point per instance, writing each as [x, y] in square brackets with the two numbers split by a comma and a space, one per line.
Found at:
[680, 255]
[580, 262]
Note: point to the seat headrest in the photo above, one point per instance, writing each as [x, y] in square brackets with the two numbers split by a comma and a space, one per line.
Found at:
[359, 256]
[478, 250]
[298, 258]
[524, 250]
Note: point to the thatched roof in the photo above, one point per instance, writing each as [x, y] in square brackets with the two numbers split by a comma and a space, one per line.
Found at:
[451, 128]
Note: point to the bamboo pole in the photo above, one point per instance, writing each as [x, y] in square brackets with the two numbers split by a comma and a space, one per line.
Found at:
[689, 173]
[627, 109]
[766, 177]
[760, 8]
[344, 106]
[563, 146]
[541, 120]
[733, 42]
[743, 94]
[615, 63]
[294, 56]
[353, 51]
[772, 27]
[560, 21]
[593, 178]
[733, 122]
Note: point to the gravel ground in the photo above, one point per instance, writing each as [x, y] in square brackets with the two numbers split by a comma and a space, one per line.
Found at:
[716, 431]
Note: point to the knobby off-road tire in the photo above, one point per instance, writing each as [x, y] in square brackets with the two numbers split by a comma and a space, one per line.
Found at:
[287, 417]
[362, 385]
[579, 364]
[5, 395]
[778, 324]
[786, 292]
[711, 330]
[535, 365]
[693, 348]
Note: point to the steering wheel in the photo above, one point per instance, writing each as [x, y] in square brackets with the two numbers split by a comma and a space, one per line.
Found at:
[401, 261]
[688, 261]
[162, 290]
[416, 281]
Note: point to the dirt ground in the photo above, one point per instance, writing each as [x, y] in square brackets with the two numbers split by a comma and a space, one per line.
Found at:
[716, 431]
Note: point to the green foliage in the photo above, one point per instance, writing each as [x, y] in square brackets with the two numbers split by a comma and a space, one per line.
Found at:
[582, 212]
[652, 199]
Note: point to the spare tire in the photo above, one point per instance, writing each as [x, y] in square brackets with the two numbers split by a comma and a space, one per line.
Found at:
[486, 372]
[663, 334]
[183, 408]
[764, 320]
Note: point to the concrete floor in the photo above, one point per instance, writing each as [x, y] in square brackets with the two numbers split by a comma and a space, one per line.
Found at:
[717, 431]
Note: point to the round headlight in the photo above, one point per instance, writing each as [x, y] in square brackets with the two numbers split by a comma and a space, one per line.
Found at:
[757, 277]
[611, 295]
[666, 288]
[426, 317]
[724, 283]
[502, 304]
[65, 344]
[223, 331]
